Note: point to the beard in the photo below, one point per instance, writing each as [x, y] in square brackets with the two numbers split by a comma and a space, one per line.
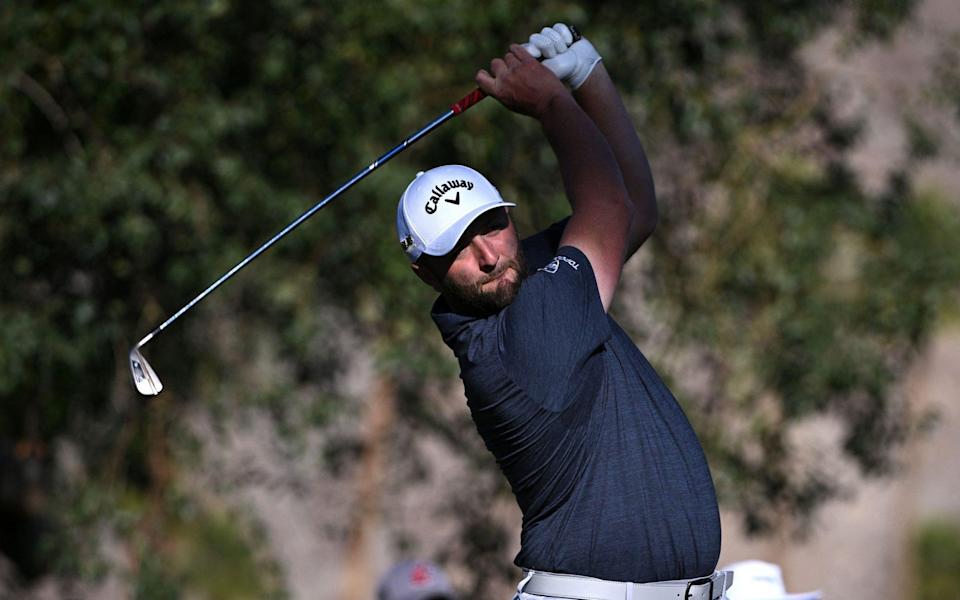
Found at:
[472, 298]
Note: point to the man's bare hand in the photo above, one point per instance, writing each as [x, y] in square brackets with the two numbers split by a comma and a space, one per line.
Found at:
[521, 83]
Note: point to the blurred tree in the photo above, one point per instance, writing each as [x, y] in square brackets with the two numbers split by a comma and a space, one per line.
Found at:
[936, 559]
[148, 146]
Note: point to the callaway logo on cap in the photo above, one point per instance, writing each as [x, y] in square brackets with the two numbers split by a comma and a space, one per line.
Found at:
[439, 205]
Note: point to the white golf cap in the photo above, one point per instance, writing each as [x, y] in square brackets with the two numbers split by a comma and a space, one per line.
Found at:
[439, 205]
[758, 580]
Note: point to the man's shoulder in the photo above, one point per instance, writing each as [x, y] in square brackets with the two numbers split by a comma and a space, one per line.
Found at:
[472, 338]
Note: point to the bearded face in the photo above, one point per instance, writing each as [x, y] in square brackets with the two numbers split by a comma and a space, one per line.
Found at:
[490, 293]
[483, 272]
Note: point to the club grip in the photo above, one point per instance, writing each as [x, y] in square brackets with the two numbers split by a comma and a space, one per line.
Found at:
[477, 95]
[467, 101]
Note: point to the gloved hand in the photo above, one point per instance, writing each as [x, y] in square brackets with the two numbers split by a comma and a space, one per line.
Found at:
[572, 62]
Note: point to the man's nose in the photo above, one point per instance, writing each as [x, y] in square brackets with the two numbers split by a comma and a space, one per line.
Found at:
[486, 255]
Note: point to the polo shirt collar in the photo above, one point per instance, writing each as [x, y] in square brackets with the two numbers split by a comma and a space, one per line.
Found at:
[454, 327]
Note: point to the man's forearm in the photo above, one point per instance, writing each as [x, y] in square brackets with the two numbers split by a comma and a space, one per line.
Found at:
[588, 165]
[600, 100]
[602, 211]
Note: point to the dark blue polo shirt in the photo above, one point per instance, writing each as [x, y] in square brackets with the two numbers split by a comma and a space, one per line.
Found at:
[608, 472]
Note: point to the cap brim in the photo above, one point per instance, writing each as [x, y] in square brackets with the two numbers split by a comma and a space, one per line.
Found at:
[449, 238]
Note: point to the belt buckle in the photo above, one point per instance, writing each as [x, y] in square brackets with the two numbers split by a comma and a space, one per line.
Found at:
[701, 581]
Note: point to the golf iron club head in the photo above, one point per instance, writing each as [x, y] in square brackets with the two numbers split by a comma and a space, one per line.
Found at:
[144, 377]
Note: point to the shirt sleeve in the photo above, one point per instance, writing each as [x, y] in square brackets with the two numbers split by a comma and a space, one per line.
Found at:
[554, 325]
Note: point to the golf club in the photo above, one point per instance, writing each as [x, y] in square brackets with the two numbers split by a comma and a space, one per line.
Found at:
[146, 379]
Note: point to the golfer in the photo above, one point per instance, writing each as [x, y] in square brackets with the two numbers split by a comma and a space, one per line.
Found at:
[616, 495]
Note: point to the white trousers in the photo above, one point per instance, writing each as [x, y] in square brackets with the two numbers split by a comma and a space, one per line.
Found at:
[521, 595]
[526, 596]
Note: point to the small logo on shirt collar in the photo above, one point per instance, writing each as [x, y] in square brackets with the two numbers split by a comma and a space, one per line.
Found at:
[554, 264]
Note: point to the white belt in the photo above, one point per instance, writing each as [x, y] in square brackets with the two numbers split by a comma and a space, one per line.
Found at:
[578, 587]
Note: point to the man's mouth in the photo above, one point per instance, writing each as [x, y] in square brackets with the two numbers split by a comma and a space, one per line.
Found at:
[497, 277]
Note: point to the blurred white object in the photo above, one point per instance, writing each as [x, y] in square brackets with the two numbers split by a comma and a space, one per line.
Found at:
[758, 580]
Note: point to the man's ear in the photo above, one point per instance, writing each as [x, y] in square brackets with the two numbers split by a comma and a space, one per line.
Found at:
[426, 275]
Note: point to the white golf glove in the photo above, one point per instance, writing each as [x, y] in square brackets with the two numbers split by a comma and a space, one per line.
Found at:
[572, 62]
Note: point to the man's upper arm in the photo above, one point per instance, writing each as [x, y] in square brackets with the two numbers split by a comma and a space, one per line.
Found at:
[603, 236]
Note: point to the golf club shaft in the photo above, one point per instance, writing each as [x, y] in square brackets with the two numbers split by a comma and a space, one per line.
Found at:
[455, 109]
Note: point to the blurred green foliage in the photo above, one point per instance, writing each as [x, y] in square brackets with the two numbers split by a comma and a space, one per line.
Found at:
[145, 147]
[936, 560]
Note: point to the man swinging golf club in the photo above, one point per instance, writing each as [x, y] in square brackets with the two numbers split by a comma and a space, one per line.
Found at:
[616, 495]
